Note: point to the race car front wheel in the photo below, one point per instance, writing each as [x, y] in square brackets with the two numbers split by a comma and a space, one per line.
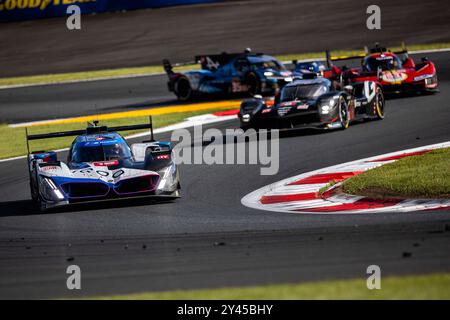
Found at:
[34, 190]
[183, 89]
[379, 105]
[344, 118]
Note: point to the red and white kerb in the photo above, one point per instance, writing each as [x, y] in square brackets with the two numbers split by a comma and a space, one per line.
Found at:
[300, 194]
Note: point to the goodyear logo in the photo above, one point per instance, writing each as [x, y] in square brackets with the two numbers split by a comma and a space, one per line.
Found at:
[9, 5]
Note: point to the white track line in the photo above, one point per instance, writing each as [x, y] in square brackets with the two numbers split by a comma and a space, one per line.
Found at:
[127, 76]
[189, 122]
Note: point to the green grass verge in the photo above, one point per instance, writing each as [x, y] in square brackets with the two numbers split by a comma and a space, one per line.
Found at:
[425, 176]
[12, 140]
[434, 286]
[147, 70]
[326, 187]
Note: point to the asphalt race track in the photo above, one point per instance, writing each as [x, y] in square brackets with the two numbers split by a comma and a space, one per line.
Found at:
[86, 98]
[145, 37]
[208, 239]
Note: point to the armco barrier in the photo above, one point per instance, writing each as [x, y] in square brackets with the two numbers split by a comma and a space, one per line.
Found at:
[14, 10]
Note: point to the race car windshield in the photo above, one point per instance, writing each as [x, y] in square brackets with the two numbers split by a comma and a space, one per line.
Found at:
[308, 91]
[386, 63]
[100, 153]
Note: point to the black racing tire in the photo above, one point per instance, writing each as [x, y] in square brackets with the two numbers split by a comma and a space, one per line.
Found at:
[343, 115]
[253, 83]
[36, 197]
[378, 105]
[33, 194]
[39, 204]
[183, 89]
[34, 190]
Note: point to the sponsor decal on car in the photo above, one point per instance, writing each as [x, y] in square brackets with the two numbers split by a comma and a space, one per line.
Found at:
[50, 168]
[106, 163]
[394, 76]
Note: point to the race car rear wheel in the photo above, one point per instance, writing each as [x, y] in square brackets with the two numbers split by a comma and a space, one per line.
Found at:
[379, 105]
[253, 84]
[344, 117]
[183, 89]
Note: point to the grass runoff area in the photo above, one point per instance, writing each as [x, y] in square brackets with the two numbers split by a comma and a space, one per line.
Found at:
[13, 143]
[148, 70]
[433, 286]
[424, 176]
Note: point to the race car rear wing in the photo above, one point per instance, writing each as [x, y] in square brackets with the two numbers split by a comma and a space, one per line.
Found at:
[91, 129]
[367, 51]
[168, 67]
[208, 61]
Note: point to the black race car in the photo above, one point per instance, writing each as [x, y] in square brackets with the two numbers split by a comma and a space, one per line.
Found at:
[316, 102]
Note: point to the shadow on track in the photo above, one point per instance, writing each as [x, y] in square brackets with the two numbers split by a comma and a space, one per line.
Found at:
[408, 95]
[28, 207]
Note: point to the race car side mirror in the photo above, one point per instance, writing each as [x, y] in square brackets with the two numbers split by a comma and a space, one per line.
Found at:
[408, 63]
[424, 59]
[379, 74]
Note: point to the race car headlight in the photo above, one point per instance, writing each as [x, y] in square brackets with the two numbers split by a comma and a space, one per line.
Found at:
[423, 77]
[164, 177]
[246, 117]
[52, 189]
[168, 178]
[268, 74]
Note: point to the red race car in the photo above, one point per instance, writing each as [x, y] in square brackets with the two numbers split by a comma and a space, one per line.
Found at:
[395, 71]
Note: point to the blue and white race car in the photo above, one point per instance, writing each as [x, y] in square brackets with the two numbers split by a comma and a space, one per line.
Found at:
[102, 166]
[306, 67]
[228, 74]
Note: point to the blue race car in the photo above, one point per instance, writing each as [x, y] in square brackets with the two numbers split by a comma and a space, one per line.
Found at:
[306, 67]
[228, 74]
[102, 166]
